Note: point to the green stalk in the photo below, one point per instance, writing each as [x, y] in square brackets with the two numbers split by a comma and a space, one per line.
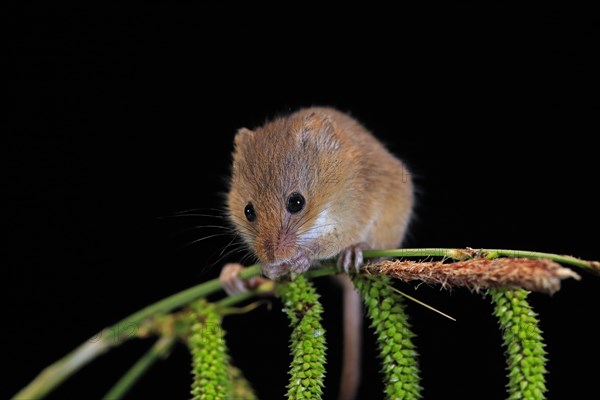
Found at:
[59, 371]
[490, 253]
[158, 350]
[183, 298]
[525, 354]
[394, 336]
[62, 369]
[307, 342]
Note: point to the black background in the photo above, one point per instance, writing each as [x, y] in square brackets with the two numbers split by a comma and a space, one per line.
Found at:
[120, 117]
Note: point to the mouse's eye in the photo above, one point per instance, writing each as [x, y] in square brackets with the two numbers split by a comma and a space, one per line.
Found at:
[249, 212]
[295, 203]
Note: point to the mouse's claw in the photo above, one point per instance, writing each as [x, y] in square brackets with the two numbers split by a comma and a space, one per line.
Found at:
[230, 279]
[351, 258]
[300, 266]
[233, 284]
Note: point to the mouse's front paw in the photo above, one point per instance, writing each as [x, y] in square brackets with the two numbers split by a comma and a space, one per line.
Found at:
[230, 279]
[294, 266]
[233, 284]
[352, 257]
[299, 266]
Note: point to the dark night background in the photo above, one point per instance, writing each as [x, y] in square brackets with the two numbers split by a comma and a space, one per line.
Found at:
[120, 117]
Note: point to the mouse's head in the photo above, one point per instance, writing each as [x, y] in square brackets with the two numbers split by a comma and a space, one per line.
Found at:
[284, 176]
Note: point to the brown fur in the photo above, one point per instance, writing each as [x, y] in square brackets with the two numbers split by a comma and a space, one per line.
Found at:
[334, 162]
[356, 190]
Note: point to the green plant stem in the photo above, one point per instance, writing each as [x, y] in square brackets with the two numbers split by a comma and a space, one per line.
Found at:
[184, 297]
[238, 298]
[490, 253]
[54, 374]
[59, 371]
[158, 350]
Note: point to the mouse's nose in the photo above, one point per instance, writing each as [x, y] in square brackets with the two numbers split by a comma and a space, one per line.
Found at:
[284, 246]
[280, 246]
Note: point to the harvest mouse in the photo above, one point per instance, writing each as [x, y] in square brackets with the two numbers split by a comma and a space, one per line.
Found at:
[315, 185]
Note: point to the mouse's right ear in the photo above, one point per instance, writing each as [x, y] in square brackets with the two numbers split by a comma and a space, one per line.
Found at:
[242, 136]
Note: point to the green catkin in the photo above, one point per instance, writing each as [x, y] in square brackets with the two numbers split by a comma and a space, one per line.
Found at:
[209, 355]
[307, 342]
[526, 357]
[394, 336]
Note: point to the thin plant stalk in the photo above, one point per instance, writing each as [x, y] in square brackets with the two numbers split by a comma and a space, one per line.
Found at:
[59, 371]
[160, 349]
[62, 369]
[459, 254]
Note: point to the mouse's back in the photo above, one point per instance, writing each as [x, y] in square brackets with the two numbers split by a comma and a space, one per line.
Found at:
[314, 182]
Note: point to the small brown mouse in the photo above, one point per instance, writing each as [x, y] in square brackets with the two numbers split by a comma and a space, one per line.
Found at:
[314, 185]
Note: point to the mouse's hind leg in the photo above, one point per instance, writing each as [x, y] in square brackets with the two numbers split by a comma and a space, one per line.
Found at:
[351, 258]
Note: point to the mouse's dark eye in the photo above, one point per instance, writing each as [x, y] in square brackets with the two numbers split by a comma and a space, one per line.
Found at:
[249, 212]
[295, 203]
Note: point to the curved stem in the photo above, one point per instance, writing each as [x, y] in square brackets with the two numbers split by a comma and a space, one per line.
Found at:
[158, 350]
[184, 297]
[55, 374]
[59, 371]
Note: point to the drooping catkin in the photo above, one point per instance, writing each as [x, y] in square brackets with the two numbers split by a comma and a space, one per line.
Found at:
[523, 344]
[307, 342]
[209, 355]
[394, 336]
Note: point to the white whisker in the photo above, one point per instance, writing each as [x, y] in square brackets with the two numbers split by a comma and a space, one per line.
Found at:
[205, 238]
[192, 215]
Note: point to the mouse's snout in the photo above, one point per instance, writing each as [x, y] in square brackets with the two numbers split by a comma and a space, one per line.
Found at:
[279, 246]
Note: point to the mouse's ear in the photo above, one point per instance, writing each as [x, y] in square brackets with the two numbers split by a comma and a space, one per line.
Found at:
[318, 119]
[242, 136]
[321, 127]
